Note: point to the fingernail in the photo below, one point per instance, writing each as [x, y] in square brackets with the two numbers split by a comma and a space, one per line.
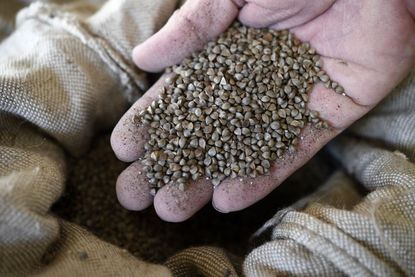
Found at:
[216, 208]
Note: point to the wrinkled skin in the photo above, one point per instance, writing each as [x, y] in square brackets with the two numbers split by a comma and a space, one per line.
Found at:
[367, 46]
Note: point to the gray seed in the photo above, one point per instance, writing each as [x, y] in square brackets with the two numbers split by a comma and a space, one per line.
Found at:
[265, 99]
[207, 161]
[182, 142]
[266, 164]
[212, 152]
[194, 143]
[324, 78]
[197, 112]
[202, 143]
[275, 125]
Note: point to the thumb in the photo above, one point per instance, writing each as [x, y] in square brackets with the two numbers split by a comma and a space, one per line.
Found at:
[187, 31]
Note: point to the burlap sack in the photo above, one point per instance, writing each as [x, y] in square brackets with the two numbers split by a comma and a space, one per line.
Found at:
[66, 73]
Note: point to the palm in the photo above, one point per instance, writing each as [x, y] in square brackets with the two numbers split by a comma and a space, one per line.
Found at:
[367, 46]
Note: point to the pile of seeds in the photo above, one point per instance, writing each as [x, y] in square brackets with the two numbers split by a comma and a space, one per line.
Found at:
[232, 109]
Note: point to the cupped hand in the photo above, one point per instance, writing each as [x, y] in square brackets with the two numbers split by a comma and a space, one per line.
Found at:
[366, 46]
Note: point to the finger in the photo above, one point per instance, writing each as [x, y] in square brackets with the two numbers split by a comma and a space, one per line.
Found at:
[338, 110]
[187, 31]
[128, 137]
[281, 14]
[174, 205]
[132, 188]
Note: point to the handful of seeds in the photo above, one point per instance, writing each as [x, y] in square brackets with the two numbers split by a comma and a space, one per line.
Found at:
[232, 109]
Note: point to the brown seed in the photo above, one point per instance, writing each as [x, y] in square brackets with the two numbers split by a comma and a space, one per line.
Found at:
[266, 155]
[295, 123]
[267, 36]
[282, 113]
[280, 144]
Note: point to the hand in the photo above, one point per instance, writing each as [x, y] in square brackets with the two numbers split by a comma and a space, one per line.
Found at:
[366, 46]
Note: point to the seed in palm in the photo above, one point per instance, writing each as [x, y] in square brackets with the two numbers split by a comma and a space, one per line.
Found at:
[232, 109]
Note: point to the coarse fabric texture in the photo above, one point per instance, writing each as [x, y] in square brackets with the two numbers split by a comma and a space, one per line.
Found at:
[61, 81]
[65, 74]
[205, 261]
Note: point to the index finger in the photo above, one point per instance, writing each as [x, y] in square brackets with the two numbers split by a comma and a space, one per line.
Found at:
[187, 31]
